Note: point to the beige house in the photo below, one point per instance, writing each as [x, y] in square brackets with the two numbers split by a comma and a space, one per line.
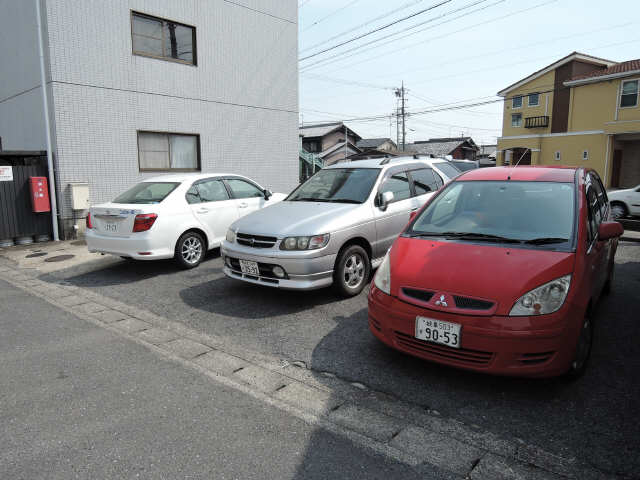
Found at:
[579, 111]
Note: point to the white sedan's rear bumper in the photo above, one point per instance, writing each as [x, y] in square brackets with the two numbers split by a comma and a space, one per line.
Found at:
[140, 246]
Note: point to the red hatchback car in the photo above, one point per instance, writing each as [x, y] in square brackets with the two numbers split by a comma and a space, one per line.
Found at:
[499, 272]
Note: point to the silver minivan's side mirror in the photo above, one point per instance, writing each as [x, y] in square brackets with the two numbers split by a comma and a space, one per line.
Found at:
[385, 199]
[267, 193]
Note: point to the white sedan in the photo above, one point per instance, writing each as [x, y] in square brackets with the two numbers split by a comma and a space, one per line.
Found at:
[174, 216]
[625, 202]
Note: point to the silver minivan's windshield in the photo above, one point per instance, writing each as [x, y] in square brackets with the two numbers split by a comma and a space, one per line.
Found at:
[533, 213]
[147, 192]
[449, 170]
[339, 185]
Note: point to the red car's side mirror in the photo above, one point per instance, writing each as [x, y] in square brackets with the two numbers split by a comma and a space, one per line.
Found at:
[608, 230]
[412, 215]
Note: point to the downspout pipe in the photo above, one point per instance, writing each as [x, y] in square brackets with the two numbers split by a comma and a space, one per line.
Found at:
[45, 104]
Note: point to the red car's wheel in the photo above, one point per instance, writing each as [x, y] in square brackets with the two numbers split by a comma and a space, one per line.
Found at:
[583, 350]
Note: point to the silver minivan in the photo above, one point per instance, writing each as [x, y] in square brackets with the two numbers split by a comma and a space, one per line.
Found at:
[335, 227]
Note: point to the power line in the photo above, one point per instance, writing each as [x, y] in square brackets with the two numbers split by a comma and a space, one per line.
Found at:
[349, 82]
[365, 24]
[341, 55]
[330, 15]
[521, 47]
[358, 37]
[445, 35]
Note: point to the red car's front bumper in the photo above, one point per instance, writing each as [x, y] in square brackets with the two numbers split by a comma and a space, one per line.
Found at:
[520, 346]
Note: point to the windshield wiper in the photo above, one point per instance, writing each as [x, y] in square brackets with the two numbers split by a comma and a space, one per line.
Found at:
[309, 199]
[545, 240]
[343, 200]
[484, 237]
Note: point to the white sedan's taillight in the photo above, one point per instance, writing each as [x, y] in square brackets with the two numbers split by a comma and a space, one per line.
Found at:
[89, 224]
[144, 222]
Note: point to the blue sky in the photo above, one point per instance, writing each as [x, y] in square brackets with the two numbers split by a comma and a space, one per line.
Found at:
[466, 51]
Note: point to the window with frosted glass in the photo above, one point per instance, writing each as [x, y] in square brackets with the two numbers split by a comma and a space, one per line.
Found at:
[168, 151]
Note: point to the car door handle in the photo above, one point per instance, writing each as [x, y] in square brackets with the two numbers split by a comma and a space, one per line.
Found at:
[415, 209]
[203, 210]
[243, 205]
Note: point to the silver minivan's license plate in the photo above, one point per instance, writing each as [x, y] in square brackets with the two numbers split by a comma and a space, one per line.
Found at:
[250, 268]
[438, 331]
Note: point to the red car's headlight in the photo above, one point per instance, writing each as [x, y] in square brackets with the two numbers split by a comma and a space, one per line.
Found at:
[544, 299]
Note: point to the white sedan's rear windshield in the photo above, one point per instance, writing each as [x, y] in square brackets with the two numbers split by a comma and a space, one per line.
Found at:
[147, 192]
[539, 213]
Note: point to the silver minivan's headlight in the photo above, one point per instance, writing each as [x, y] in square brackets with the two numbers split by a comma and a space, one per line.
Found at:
[547, 298]
[231, 236]
[382, 280]
[304, 243]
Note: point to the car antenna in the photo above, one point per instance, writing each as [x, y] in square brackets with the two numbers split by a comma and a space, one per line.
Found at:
[521, 157]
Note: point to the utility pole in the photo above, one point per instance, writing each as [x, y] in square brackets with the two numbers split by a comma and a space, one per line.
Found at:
[400, 94]
[345, 141]
[404, 131]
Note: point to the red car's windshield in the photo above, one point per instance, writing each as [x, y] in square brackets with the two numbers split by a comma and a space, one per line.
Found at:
[534, 213]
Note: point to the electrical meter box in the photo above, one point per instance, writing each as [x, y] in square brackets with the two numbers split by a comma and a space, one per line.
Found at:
[79, 196]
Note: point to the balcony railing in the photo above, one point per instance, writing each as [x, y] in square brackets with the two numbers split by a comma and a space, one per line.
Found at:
[536, 122]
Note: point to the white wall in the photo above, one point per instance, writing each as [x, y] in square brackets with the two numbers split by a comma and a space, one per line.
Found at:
[241, 98]
[21, 118]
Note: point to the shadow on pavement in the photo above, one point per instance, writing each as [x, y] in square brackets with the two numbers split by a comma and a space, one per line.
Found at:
[128, 271]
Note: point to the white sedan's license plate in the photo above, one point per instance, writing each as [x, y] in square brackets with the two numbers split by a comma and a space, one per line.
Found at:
[111, 227]
[250, 268]
[437, 331]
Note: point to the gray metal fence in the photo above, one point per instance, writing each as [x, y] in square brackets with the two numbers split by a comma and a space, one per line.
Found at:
[18, 222]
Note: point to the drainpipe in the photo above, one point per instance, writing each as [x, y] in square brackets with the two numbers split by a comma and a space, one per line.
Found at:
[45, 102]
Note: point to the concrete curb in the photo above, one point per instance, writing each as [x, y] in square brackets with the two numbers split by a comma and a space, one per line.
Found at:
[374, 420]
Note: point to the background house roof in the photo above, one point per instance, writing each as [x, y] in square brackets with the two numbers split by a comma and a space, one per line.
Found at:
[622, 67]
[373, 142]
[572, 56]
[322, 129]
[439, 146]
[437, 149]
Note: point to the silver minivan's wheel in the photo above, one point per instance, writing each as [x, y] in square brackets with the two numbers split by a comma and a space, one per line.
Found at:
[583, 350]
[352, 271]
[618, 210]
[189, 250]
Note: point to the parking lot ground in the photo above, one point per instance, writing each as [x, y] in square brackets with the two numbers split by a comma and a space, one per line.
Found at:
[590, 422]
[78, 401]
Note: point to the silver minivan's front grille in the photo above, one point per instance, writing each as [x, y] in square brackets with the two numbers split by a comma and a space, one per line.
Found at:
[255, 241]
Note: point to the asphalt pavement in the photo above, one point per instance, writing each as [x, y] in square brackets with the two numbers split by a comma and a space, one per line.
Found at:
[79, 401]
[592, 419]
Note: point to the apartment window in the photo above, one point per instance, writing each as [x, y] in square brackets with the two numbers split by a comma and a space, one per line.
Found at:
[557, 156]
[534, 99]
[165, 39]
[168, 152]
[516, 102]
[585, 155]
[629, 97]
[516, 120]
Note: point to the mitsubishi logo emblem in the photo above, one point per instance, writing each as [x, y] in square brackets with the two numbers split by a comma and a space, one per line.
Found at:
[441, 302]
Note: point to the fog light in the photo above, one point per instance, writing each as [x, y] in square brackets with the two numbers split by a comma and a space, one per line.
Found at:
[278, 271]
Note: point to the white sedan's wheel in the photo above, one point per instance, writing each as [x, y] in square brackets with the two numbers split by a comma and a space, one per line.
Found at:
[189, 250]
[618, 210]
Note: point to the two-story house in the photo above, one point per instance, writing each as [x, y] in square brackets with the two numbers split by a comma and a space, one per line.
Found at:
[580, 110]
[327, 141]
[138, 88]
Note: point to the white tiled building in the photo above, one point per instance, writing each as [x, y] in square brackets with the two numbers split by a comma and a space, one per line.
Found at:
[139, 87]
